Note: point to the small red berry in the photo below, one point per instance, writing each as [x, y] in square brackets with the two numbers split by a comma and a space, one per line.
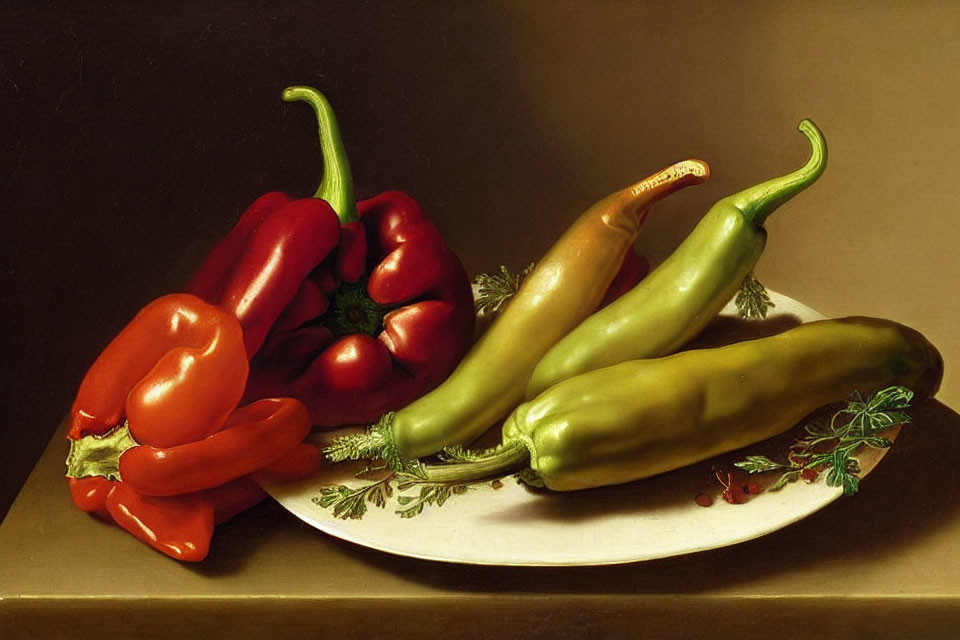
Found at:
[732, 492]
[704, 499]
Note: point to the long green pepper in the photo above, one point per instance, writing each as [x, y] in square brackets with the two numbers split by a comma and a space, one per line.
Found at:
[643, 417]
[682, 295]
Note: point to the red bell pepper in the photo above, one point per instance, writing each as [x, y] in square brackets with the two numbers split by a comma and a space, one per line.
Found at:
[353, 308]
[175, 373]
[179, 526]
[157, 445]
[252, 438]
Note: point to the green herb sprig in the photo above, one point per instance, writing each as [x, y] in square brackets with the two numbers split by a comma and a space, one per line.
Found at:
[752, 300]
[830, 447]
[374, 443]
[351, 503]
[494, 289]
[430, 493]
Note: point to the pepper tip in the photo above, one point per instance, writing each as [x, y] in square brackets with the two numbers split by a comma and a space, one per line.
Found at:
[699, 169]
[818, 159]
[289, 94]
[298, 92]
[809, 129]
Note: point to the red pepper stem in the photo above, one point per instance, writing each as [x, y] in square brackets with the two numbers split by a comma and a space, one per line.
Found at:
[760, 201]
[336, 186]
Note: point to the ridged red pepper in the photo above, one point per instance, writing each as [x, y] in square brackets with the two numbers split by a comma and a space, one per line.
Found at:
[175, 372]
[252, 438]
[157, 444]
[353, 308]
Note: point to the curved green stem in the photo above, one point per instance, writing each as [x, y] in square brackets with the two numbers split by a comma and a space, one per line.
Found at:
[758, 202]
[509, 458]
[336, 186]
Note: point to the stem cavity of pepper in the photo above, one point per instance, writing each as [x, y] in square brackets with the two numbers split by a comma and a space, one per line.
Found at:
[99, 455]
[352, 311]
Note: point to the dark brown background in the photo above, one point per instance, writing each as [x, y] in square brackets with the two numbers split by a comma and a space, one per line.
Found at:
[133, 134]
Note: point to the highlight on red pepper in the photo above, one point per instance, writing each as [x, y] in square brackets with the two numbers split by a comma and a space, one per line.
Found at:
[354, 308]
[157, 444]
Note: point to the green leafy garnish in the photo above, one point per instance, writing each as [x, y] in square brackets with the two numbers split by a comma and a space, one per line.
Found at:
[493, 290]
[351, 504]
[830, 447]
[437, 494]
[758, 464]
[374, 443]
[753, 302]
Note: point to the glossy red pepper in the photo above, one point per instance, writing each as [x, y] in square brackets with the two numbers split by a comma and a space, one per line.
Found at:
[353, 308]
[156, 444]
[175, 373]
[179, 526]
[253, 438]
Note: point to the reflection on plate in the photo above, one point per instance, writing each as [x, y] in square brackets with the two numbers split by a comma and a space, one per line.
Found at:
[517, 525]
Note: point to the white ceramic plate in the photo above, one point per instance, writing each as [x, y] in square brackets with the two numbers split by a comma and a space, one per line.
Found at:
[516, 525]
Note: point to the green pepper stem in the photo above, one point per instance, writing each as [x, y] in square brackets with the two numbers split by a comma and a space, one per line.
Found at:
[336, 185]
[758, 202]
[508, 458]
[99, 455]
